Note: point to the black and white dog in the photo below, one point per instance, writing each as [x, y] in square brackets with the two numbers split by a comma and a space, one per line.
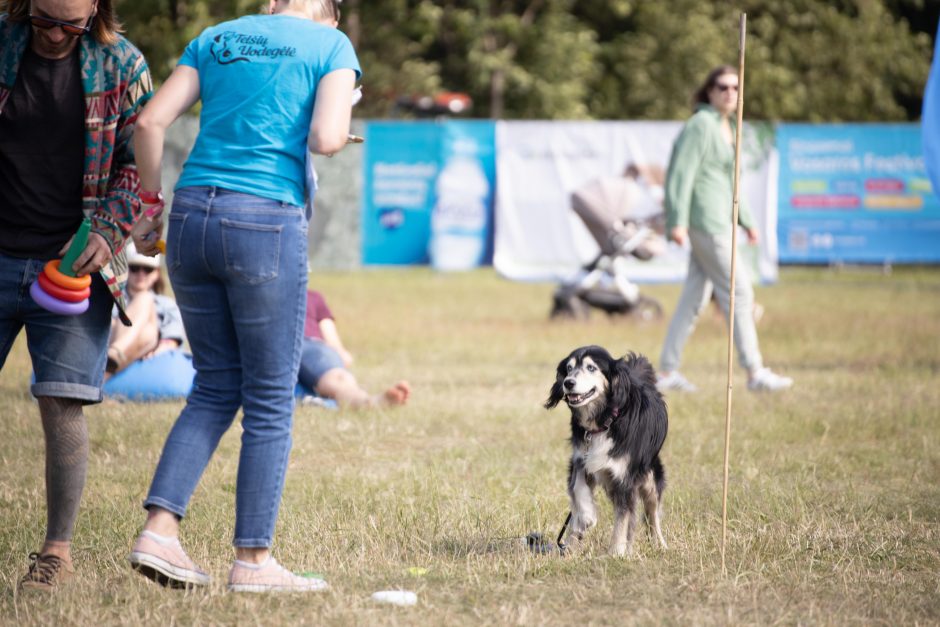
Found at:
[618, 426]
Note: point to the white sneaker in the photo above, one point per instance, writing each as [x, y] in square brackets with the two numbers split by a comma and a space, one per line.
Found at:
[270, 576]
[765, 380]
[674, 381]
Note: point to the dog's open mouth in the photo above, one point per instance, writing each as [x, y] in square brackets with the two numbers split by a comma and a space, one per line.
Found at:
[580, 399]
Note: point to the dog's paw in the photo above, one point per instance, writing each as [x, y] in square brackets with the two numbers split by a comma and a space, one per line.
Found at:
[584, 521]
[619, 550]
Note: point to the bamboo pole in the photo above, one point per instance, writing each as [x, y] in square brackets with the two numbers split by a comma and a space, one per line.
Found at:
[734, 259]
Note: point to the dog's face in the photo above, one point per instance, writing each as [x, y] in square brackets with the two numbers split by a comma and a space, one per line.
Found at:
[582, 380]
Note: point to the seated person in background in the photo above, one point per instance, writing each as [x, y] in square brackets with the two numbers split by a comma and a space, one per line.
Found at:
[324, 362]
[157, 325]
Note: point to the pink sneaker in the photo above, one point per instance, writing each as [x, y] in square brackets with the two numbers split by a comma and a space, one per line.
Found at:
[164, 560]
[270, 576]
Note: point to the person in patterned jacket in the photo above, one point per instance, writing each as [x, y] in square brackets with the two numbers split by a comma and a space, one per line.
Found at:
[71, 88]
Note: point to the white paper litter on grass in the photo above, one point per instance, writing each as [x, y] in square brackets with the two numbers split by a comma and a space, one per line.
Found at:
[396, 597]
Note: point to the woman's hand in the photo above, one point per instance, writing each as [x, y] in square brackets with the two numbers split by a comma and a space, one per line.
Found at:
[753, 236]
[96, 255]
[148, 229]
[679, 234]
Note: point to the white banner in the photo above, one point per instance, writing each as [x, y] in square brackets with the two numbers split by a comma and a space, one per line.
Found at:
[540, 164]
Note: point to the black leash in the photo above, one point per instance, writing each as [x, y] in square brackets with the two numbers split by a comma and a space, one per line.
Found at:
[562, 547]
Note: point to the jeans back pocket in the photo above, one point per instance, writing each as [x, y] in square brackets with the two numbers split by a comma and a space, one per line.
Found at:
[251, 251]
[176, 222]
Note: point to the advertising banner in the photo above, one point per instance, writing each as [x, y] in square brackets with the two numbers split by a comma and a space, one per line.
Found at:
[464, 190]
[559, 181]
[428, 193]
[855, 193]
[930, 119]
[401, 163]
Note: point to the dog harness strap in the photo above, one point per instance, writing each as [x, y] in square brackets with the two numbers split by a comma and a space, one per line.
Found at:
[590, 434]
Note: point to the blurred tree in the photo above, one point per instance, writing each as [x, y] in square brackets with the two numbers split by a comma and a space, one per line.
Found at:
[393, 39]
[810, 60]
[818, 61]
[162, 28]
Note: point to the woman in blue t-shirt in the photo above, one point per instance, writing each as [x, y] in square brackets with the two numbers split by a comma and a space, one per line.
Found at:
[272, 87]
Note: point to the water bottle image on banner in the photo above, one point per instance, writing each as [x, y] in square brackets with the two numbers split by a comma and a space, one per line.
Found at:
[459, 218]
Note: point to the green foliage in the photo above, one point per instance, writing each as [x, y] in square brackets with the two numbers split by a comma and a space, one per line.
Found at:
[808, 60]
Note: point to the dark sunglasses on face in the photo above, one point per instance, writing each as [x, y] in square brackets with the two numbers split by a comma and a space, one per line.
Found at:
[144, 269]
[723, 87]
[69, 28]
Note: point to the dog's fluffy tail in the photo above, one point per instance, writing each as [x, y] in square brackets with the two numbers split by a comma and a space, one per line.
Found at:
[659, 477]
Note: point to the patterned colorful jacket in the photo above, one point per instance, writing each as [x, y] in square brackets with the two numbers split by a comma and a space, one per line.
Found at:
[117, 84]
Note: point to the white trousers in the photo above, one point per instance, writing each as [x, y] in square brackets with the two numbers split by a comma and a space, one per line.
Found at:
[710, 268]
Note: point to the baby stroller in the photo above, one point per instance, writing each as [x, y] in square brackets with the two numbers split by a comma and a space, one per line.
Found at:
[612, 210]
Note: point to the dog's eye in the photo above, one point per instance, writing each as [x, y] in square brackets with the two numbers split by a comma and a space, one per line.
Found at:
[591, 367]
[568, 368]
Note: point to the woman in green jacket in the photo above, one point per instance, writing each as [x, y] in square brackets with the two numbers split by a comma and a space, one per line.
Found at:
[698, 209]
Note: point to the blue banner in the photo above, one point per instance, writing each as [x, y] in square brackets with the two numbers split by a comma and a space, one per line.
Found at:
[428, 193]
[855, 193]
[930, 119]
[401, 163]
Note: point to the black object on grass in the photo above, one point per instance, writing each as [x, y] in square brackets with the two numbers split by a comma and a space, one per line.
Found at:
[539, 544]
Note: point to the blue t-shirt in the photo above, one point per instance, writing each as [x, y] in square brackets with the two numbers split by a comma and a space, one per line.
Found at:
[258, 79]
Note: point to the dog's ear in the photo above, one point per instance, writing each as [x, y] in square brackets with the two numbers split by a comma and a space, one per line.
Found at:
[557, 392]
[618, 375]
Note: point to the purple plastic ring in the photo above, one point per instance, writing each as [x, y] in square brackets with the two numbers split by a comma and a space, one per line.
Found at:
[54, 304]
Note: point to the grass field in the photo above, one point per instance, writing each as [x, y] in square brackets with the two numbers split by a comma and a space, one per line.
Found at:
[834, 508]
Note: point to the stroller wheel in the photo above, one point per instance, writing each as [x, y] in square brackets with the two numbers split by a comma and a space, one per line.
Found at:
[566, 305]
[647, 309]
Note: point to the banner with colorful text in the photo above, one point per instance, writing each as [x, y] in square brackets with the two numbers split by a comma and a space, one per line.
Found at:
[855, 193]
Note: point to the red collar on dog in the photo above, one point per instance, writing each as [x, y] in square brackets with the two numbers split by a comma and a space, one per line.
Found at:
[589, 434]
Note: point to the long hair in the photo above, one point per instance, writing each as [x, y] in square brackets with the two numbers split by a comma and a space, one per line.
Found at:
[701, 94]
[104, 26]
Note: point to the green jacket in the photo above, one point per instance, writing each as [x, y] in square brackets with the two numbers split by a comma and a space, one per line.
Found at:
[117, 85]
[700, 178]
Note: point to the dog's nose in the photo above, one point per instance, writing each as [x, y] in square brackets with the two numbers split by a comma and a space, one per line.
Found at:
[569, 383]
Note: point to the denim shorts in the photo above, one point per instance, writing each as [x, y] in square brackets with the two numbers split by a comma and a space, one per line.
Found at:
[68, 352]
[316, 359]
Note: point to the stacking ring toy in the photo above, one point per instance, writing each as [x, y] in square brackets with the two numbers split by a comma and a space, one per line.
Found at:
[69, 296]
[57, 289]
[55, 305]
[56, 275]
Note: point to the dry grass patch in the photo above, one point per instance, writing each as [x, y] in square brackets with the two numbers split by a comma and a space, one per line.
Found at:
[834, 510]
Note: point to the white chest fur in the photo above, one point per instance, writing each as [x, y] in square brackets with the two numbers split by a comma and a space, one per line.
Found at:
[597, 460]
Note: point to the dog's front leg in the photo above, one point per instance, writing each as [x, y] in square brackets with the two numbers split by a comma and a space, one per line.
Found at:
[583, 507]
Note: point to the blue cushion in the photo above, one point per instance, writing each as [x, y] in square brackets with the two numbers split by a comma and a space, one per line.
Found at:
[170, 375]
[164, 376]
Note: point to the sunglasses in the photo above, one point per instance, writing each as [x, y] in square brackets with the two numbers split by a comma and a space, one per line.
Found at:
[144, 269]
[69, 28]
[723, 87]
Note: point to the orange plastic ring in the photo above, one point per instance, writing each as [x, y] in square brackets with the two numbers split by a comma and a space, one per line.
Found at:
[67, 282]
[69, 296]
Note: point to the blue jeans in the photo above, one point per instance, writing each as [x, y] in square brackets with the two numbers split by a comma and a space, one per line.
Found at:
[68, 352]
[238, 266]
